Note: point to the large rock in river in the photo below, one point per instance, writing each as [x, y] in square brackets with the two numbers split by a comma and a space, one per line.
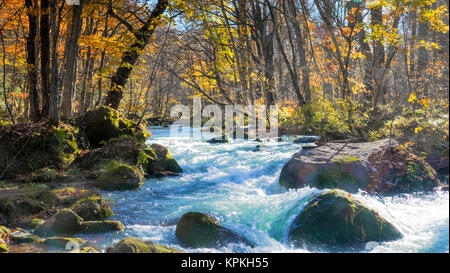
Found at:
[336, 219]
[103, 124]
[65, 222]
[379, 166]
[196, 230]
[120, 177]
[92, 208]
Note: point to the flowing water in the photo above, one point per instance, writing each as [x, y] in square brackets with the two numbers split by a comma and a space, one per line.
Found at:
[238, 185]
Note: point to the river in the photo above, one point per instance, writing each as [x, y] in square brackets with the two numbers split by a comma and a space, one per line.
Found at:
[238, 185]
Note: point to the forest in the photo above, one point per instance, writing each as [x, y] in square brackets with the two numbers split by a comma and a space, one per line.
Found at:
[86, 93]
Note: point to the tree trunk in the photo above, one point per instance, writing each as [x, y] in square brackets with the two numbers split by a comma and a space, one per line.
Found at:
[71, 56]
[131, 55]
[35, 113]
[54, 117]
[45, 56]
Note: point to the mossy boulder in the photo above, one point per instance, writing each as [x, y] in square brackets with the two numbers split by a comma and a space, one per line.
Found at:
[134, 245]
[336, 219]
[158, 160]
[94, 227]
[197, 230]
[103, 124]
[63, 242]
[373, 166]
[121, 177]
[16, 203]
[92, 208]
[26, 147]
[124, 149]
[155, 160]
[43, 175]
[65, 222]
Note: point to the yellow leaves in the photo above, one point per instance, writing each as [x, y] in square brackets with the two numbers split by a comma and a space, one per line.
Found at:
[418, 129]
[435, 17]
[412, 98]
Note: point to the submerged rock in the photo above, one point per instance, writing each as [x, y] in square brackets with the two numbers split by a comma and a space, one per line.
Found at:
[94, 227]
[373, 166]
[121, 177]
[64, 222]
[196, 230]
[25, 148]
[103, 124]
[336, 219]
[92, 208]
[218, 141]
[134, 245]
[160, 161]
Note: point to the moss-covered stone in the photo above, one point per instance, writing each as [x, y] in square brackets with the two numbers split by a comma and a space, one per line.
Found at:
[65, 222]
[336, 219]
[92, 208]
[134, 245]
[104, 124]
[94, 227]
[157, 159]
[26, 147]
[17, 203]
[196, 230]
[63, 242]
[43, 175]
[121, 177]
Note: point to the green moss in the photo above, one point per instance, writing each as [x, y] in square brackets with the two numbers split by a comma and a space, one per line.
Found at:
[43, 175]
[345, 159]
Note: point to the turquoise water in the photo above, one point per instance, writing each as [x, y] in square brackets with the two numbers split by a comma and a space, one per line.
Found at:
[239, 186]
